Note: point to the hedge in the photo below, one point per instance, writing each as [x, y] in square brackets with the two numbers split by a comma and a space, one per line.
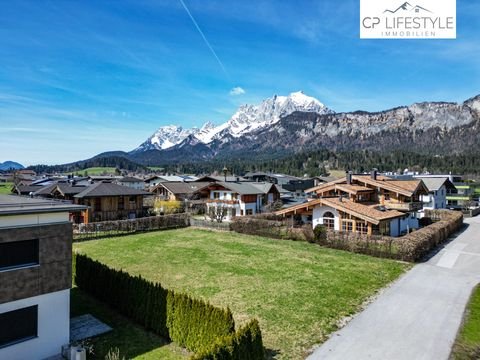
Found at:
[195, 324]
[271, 226]
[411, 247]
[245, 344]
[142, 301]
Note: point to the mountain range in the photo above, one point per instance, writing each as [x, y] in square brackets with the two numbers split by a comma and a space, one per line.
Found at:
[282, 126]
[248, 119]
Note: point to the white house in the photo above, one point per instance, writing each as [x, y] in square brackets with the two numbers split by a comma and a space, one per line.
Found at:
[131, 182]
[35, 276]
[241, 198]
[437, 192]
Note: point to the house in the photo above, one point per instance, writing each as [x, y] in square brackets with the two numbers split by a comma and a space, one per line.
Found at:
[437, 192]
[35, 277]
[213, 178]
[109, 201]
[370, 204]
[131, 182]
[180, 191]
[464, 194]
[241, 198]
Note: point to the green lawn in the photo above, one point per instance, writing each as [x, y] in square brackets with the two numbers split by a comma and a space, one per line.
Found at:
[5, 188]
[97, 171]
[467, 345]
[132, 340]
[298, 291]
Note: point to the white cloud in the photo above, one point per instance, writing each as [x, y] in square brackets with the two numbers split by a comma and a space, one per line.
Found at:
[237, 91]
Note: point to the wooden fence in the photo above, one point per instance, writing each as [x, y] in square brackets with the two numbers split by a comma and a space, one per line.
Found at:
[95, 230]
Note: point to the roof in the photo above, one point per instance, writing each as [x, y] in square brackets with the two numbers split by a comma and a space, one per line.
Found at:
[221, 178]
[353, 189]
[103, 189]
[27, 189]
[245, 188]
[14, 204]
[403, 187]
[369, 213]
[130, 179]
[64, 188]
[183, 187]
[434, 184]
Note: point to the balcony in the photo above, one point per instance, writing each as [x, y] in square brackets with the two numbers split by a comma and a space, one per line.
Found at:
[410, 206]
[225, 202]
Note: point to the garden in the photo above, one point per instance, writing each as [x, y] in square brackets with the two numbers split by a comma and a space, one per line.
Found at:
[298, 292]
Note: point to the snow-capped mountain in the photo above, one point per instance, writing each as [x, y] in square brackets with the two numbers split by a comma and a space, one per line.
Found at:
[166, 137]
[248, 118]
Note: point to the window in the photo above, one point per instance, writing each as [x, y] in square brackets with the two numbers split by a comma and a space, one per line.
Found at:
[347, 226]
[18, 325]
[248, 212]
[216, 195]
[328, 220]
[362, 227]
[18, 254]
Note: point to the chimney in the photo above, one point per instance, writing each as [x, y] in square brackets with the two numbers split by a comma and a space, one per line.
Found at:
[373, 174]
[349, 177]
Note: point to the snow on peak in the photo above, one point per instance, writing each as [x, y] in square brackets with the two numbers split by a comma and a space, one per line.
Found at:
[247, 119]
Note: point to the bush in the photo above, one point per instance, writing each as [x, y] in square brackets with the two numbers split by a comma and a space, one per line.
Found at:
[193, 323]
[245, 344]
[319, 233]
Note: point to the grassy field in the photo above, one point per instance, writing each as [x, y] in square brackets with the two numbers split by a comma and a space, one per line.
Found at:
[298, 291]
[467, 345]
[97, 171]
[5, 188]
[132, 340]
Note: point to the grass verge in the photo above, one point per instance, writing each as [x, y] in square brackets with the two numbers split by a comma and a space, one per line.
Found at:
[467, 344]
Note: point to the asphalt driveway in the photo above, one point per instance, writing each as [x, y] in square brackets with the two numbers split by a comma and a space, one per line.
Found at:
[419, 315]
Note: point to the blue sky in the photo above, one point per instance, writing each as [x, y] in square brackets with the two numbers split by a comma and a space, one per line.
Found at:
[81, 77]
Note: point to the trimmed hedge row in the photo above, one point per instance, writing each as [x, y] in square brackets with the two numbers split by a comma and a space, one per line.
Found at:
[411, 247]
[245, 344]
[136, 298]
[195, 324]
[417, 244]
[271, 226]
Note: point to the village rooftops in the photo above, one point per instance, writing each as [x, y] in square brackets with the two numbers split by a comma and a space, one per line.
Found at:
[103, 189]
[13, 204]
[63, 187]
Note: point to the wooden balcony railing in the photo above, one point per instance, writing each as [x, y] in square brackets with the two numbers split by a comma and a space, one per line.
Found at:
[409, 206]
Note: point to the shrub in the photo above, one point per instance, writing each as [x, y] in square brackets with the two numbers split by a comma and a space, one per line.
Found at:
[245, 344]
[319, 233]
[193, 323]
[168, 206]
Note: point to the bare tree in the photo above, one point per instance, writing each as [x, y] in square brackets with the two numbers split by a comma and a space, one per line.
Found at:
[216, 212]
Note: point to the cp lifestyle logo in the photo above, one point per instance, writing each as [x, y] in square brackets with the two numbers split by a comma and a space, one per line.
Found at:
[393, 19]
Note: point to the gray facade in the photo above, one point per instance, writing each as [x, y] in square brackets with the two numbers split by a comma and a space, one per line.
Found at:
[54, 272]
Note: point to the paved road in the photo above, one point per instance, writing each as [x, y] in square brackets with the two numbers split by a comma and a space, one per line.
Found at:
[419, 315]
